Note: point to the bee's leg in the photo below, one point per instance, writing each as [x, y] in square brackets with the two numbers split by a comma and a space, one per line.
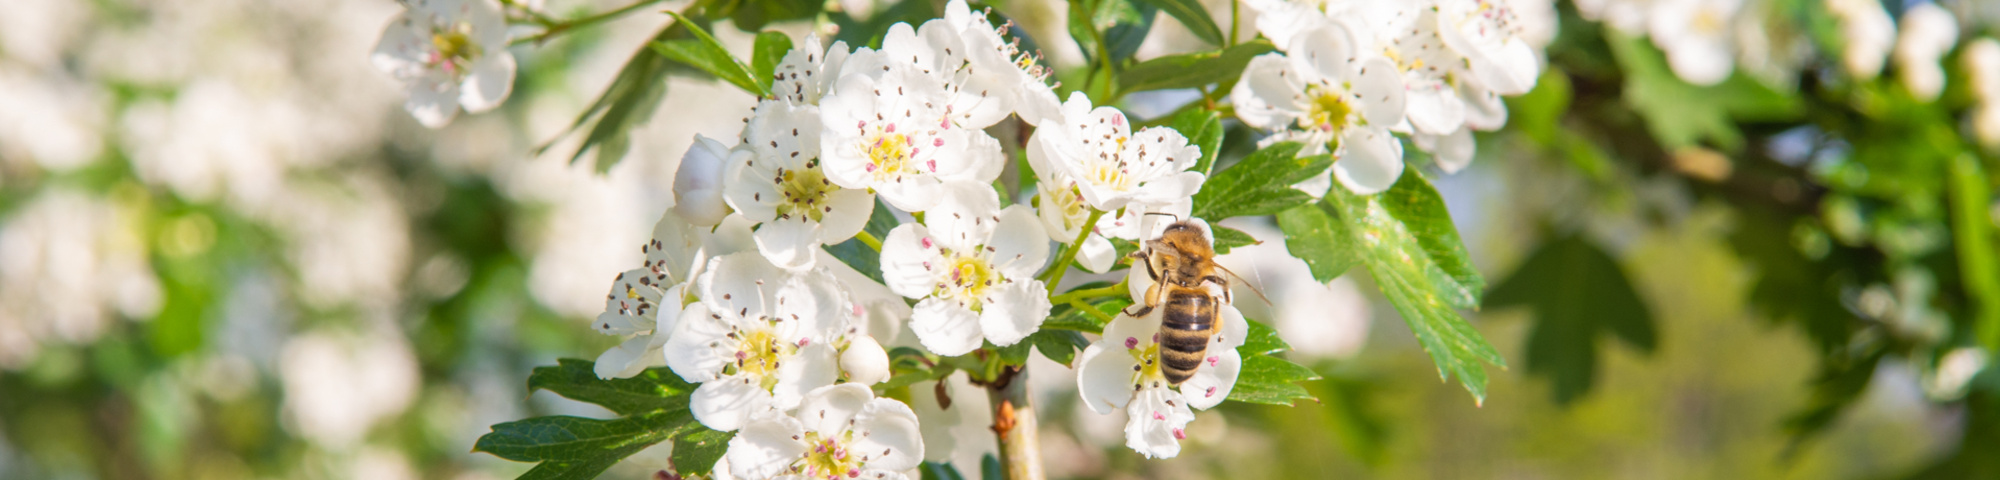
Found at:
[1218, 281]
[1152, 298]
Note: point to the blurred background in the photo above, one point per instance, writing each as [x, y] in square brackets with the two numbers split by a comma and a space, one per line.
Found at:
[227, 252]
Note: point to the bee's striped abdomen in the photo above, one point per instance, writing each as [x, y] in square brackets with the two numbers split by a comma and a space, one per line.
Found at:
[1188, 321]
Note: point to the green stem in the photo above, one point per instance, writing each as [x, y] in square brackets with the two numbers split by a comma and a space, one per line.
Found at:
[559, 28]
[1069, 251]
[1075, 295]
[1079, 305]
[869, 240]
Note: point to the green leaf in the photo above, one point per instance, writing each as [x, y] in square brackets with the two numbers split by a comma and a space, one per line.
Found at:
[1972, 234]
[696, 452]
[940, 471]
[1191, 70]
[1229, 238]
[1203, 129]
[752, 15]
[1271, 380]
[707, 54]
[1577, 291]
[1191, 14]
[769, 50]
[989, 468]
[1122, 25]
[1059, 345]
[651, 390]
[1262, 340]
[1321, 240]
[1410, 247]
[1261, 184]
[628, 102]
[576, 447]
[859, 255]
[1682, 115]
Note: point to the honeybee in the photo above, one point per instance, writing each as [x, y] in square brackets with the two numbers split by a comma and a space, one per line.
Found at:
[1182, 263]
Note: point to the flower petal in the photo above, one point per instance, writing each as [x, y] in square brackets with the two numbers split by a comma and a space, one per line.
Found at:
[767, 446]
[1154, 421]
[433, 101]
[735, 284]
[908, 256]
[945, 327]
[966, 216]
[886, 433]
[1381, 91]
[789, 242]
[626, 359]
[1371, 160]
[849, 213]
[693, 351]
[726, 403]
[489, 81]
[1017, 310]
[827, 409]
[1097, 254]
[816, 365]
[1020, 245]
[1211, 383]
[1267, 95]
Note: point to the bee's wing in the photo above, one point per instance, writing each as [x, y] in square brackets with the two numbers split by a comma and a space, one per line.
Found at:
[1246, 283]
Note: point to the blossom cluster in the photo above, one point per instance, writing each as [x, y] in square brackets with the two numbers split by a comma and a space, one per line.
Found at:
[738, 295]
[1350, 75]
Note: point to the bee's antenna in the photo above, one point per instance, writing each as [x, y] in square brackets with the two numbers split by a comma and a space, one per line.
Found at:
[1176, 217]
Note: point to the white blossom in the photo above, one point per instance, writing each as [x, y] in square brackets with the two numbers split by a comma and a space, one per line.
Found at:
[698, 182]
[448, 53]
[1982, 65]
[864, 361]
[1021, 77]
[1111, 165]
[887, 127]
[841, 431]
[1696, 37]
[1122, 370]
[972, 266]
[1325, 93]
[1928, 33]
[808, 71]
[1489, 34]
[783, 187]
[634, 306]
[1063, 213]
[759, 338]
[1867, 34]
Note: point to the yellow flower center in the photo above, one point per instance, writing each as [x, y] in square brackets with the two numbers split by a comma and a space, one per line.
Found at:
[757, 354]
[890, 154]
[967, 278]
[829, 458]
[1329, 110]
[805, 192]
[455, 49]
[1148, 358]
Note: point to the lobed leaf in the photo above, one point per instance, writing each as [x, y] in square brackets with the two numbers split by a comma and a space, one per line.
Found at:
[1406, 240]
[1261, 184]
[767, 52]
[1191, 70]
[705, 53]
[1262, 340]
[1059, 345]
[1229, 238]
[573, 446]
[696, 451]
[1577, 291]
[1320, 239]
[1191, 14]
[1203, 129]
[655, 389]
[1269, 380]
